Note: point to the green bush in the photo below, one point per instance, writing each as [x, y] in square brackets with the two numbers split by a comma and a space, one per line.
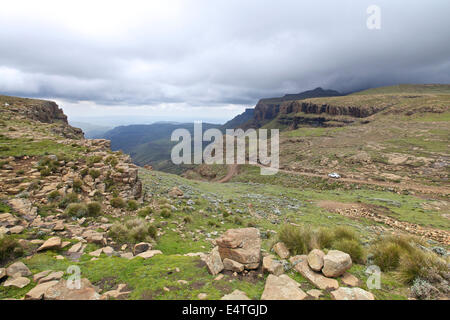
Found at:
[68, 199]
[93, 159]
[423, 265]
[187, 219]
[94, 209]
[76, 185]
[77, 210]
[112, 161]
[94, 173]
[145, 212]
[132, 231]
[132, 205]
[117, 202]
[165, 213]
[84, 172]
[45, 172]
[297, 239]
[9, 249]
[152, 231]
[54, 195]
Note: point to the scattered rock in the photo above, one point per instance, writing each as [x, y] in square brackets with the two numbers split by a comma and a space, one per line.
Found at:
[214, 262]
[18, 268]
[273, 266]
[344, 293]
[61, 291]
[37, 293]
[202, 296]
[281, 250]
[232, 265]
[314, 293]
[176, 192]
[335, 263]
[301, 265]
[148, 254]
[40, 275]
[241, 245]
[52, 243]
[282, 288]
[57, 275]
[350, 280]
[141, 247]
[315, 259]
[17, 281]
[235, 295]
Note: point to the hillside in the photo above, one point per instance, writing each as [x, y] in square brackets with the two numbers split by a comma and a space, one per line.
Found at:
[140, 234]
[240, 119]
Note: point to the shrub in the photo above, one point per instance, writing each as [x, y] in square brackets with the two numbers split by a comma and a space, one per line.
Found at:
[76, 185]
[423, 290]
[94, 209]
[54, 195]
[132, 231]
[132, 205]
[77, 210]
[352, 247]
[165, 213]
[9, 249]
[84, 172]
[423, 265]
[388, 251]
[93, 159]
[297, 239]
[117, 202]
[45, 172]
[343, 232]
[68, 199]
[152, 231]
[145, 212]
[94, 173]
[112, 161]
[187, 219]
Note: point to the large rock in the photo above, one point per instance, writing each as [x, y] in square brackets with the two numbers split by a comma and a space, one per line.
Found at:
[315, 259]
[236, 295]
[37, 293]
[335, 263]
[273, 266]
[141, 247]
[60, 291]
[344, 293]
[57, 275]
[282, 288]
[350, 280]
[18, 269]
[52, 243]
[214, 262]
[232, 265]
[281, 250]
[241, 245]
[2, 273]
[301, 265]
[149, 254]
[18, 282]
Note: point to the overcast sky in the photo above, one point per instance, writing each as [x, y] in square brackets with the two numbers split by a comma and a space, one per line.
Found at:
[209, 59]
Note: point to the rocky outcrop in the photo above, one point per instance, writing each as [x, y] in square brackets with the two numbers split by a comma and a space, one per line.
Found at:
[282, 288]
[241, 245]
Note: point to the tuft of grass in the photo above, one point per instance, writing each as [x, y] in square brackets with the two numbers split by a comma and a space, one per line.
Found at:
[132, 205]
[77, 210]
[9, 249]
[68, 199]
[353, 247]
[117, 202]
[94, 209]
[132, 231]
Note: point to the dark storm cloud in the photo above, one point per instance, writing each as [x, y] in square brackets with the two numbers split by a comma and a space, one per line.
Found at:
[212, 53]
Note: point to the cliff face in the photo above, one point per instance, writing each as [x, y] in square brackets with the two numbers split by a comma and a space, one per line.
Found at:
[42, 111]
[266, 112]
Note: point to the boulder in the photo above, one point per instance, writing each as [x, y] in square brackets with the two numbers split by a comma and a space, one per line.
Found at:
[141, 247]
[281, 250]
[52, 243]
[272, 266]
[214, 262]
[61, 291]
[235, 295]
[314, 293]
[148, 254]
[119, 293]
[315, 259]
[241, 245]
[2, 273]
[17, 281]
[232, 265]
[282, 288]
[37, 293]
[18, 268]
[40, 275]
[56, 275]
[335, 263]
[350, 280]
[344, 293]
[301, 265]
[176, 192]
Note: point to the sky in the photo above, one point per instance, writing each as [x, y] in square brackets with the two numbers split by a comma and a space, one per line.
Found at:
[133, 61]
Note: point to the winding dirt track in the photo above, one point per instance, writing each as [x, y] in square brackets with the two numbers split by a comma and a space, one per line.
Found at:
[232, 170]
[398, 186]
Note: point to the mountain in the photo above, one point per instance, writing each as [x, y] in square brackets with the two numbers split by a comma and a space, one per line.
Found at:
[150, 144]
[240, 119]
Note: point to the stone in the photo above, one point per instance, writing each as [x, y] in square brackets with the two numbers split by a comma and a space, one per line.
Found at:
[241, 245]
[344, 293]
[281, 250]
[175, 192]
[314, 293]
[282, 288]
[232, 265]
[52, 243]
[61, 291]
[315, 259]
[127, 255]
[119, 293]
[96, 253]
[300, 264]
[148, 254]
[37, 293]
[202, 296]
[214, 262]
[40, 275]
[76, 248]
[235, 295]
[2, 273]
[272, 266]
[335, 263]
[57, 275]
[141, 247]
[109, 251]
[350, 280]
[16, 229]
[17, 281]
[18, 268]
